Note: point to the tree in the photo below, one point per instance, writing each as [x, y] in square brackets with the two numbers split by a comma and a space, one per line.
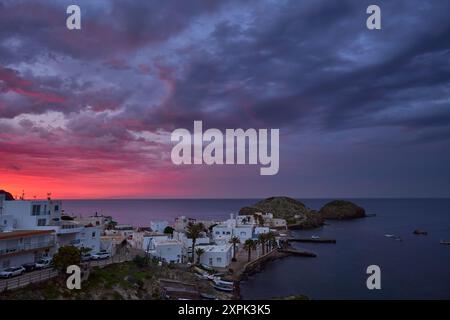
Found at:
[168, 230]
[271, 241]
[234, 241]
[262, 239]
[249, 245]
[66, 256]
[193, 231]
[199, 252]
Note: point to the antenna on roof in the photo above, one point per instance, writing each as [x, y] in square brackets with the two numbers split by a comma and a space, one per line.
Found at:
[22, 197]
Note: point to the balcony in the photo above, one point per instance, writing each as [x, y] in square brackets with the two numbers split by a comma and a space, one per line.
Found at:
[70, 228]
[27, 247]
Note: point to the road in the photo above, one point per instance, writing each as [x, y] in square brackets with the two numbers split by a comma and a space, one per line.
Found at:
[45, 274]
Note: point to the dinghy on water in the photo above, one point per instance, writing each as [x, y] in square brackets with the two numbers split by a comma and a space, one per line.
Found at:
[219, 282]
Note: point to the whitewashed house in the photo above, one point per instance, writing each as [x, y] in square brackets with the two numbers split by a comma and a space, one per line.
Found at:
[158, 226]
[261, 230]
[182, 222]
[47, 215]
[125, 230]
[241, 227]
[218, 256]
[143, 240]
[90, 238]
[168, 250]
[187, 243]
[6, 222]
[25, 246]
[111, 243]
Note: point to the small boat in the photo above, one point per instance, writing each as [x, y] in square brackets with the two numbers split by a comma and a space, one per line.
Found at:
[445, 242]
[206, 267]
[389, 236]
[221, 282]
[315, 237]
[221, 288]
[207, 296]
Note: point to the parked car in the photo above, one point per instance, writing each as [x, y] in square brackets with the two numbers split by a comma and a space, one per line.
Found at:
[12, 272]
[101, 255]
[29, 266]
[86, 257]
[44, 263]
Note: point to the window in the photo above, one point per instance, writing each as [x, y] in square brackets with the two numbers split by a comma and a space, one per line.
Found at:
[36, 209]
[42, 222]
[219, 260]
[56, 208]
[93, 234]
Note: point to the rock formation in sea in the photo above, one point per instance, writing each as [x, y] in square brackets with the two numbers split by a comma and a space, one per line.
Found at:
[341, 210]
[293, 211]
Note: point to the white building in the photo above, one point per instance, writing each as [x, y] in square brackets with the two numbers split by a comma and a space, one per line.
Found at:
[182, 222]
[261, 230]
[144, 240]
[168, 250]
[90, 238]
[44, 215]
[218, 256]
[110, 243]
[241, 227]
[30, 214]
[124, 230]
[95, 220]
[158, 226]
[6, 222]
[187, 243]
[25, 246]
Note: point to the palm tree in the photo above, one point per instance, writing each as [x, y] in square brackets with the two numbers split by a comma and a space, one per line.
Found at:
[262, 239]
[193, 232]
[234, 241]
[249, 245]
[270, 238]
[199, 252]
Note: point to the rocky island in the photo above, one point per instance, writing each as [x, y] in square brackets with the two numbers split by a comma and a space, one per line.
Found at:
[342, 210]
[299, 216]
[296, 213]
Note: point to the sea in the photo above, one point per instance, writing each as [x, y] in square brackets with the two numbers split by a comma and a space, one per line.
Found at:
[417, 267]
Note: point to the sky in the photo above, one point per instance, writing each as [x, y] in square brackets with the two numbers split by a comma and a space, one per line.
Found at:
[88, 113]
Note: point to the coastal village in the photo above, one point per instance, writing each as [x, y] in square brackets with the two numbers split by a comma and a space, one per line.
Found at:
[184, 259]
[216, 252]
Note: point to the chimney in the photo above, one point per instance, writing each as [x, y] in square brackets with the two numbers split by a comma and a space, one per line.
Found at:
[231, 216]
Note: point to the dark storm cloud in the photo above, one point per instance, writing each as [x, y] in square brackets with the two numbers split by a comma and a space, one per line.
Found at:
[317, 59]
